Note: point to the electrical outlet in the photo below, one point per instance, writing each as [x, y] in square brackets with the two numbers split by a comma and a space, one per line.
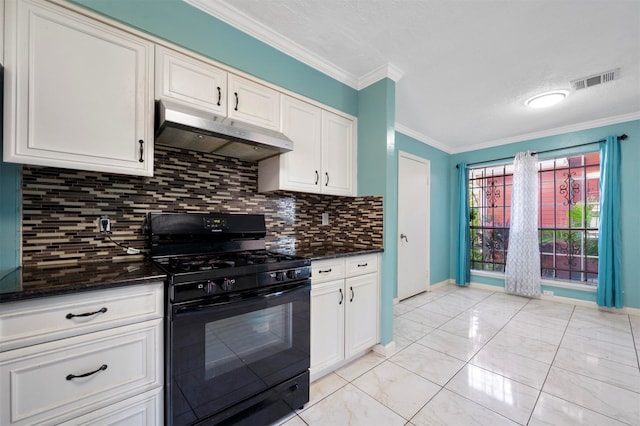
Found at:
[325, 218]
[104, 224]
[547, 292]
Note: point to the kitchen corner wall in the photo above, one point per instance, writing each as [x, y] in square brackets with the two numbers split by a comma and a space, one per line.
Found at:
[61, 207]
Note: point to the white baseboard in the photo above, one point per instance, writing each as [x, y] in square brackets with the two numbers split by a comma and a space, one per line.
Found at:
[560, 299]
[440, 284]
[386, 350]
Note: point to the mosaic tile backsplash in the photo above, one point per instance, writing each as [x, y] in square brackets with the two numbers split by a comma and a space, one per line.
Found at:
[61, 207]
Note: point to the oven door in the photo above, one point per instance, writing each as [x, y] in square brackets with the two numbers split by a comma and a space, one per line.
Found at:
[226, 350]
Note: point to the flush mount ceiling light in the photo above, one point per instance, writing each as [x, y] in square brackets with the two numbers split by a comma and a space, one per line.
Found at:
[546, 99]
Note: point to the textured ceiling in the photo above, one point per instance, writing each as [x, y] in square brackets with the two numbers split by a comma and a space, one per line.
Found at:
[467, 67]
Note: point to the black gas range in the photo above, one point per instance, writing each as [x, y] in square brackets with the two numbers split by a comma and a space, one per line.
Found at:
[237, 320]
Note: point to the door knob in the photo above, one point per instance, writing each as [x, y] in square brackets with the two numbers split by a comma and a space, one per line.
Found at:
[405, 237]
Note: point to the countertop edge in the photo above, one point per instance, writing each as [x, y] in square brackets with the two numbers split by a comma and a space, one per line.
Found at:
[348, 254]
[74, 289]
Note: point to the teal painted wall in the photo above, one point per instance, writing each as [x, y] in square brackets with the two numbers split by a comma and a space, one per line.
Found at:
[10, 215]
[378, 175]
[630, 208]
[440, 219]
[10, 209]
[187, 26]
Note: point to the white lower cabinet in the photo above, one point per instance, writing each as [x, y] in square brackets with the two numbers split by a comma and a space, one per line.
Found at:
[116, 371]
[327, 324]
[344, 311]
[145, 409]
[361, 314]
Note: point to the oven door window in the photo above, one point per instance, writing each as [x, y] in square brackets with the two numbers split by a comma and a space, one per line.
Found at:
[226, 352]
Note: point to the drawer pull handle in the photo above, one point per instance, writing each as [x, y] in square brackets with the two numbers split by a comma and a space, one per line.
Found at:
[352, 294]
[325, 271]
[141, 159]
[73, 376]
[362, 265]
[87, 314]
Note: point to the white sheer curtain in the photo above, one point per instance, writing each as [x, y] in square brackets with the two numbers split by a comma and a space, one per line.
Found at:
[523, 256]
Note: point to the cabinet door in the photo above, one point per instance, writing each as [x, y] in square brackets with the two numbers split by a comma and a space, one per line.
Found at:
[78, 93]
[191, 82]
[301, 168]
[327, 325]
[361, 295]
[143, 409]
[70, 377]
[253, 103]
[338, 155]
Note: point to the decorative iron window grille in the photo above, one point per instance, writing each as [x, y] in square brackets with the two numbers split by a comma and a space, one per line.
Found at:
[569, 198]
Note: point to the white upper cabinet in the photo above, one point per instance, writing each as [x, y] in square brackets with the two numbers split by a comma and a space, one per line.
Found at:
[297, 170]
[78, 93]
[323, 156]
[338, 159]
[253, 103]
[190, 81]
[200, 84]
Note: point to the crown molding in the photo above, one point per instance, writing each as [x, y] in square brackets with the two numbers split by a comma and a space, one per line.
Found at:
[384, 71]
[551, 132]
[232, 16]
[422, 138]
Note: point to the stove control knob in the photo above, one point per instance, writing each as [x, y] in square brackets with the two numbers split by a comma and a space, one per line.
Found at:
[228, 283]
[211, 287]
[292, 274]
[280, 276]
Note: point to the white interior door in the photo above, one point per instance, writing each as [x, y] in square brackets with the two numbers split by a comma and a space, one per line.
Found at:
[413, 225]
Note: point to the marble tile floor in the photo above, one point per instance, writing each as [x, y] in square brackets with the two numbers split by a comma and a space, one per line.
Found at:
[469, 356]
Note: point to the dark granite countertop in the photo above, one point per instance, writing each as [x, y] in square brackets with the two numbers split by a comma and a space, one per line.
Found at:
[36, 282]
[325, 251]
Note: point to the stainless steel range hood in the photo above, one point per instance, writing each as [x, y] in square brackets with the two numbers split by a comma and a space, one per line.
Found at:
[197, 130]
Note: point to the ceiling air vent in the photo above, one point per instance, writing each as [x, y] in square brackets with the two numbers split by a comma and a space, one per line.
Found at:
[593, 80]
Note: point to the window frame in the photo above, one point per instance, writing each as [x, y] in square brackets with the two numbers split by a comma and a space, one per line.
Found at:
[577, 190]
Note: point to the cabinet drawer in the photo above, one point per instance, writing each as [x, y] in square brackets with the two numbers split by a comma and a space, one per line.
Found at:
[145, 409]
[37, 321]
[37, 383]
[360, 265]
[326, 270]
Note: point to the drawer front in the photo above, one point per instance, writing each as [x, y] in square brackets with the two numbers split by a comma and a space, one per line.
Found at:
[145, 409]
[360, 265]
[43, 382]
[327, 270]
[37, 321]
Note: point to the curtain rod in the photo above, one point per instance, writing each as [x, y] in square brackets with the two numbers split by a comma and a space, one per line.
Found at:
[621, 137]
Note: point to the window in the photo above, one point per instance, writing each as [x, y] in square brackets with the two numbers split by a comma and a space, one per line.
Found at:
[569, 198]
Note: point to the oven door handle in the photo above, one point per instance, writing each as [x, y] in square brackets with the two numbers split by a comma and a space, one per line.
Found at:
[266, 294]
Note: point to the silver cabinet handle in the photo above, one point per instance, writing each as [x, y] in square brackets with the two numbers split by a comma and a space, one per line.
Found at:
[341, 297]
[405, 237]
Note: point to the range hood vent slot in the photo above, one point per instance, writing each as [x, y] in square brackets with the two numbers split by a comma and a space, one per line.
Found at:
[594, 80]
[193, 129]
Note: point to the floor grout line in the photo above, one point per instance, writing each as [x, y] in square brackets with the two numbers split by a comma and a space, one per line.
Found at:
[502, 311]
